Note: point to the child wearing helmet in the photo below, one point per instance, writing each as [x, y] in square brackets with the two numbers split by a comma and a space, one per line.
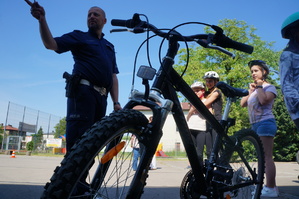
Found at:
[260, 103]
[197, 123]
[213, 95]
[213, 102]
[289, 65]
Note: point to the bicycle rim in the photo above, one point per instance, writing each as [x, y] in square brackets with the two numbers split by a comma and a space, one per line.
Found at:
[245, 172]
[100, 164]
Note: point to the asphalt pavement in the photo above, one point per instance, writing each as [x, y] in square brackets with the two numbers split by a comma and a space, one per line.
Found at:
[25, 176]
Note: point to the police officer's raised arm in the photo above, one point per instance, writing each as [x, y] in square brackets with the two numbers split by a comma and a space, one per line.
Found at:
[39, 13]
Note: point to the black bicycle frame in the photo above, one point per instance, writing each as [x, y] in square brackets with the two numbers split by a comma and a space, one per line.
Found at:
[168, 82]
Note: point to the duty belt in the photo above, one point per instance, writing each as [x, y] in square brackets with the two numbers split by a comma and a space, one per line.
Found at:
[101, 90]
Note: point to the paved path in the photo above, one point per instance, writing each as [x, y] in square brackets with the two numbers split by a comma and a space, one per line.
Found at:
[25, 176]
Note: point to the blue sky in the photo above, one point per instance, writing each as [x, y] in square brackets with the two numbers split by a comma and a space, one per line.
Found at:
[32, 76]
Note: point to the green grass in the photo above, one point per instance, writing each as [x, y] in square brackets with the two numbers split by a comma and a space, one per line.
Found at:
[170, 154]
[176, 154]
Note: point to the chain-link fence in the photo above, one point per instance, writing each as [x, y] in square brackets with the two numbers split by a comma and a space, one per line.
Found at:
[23, 122]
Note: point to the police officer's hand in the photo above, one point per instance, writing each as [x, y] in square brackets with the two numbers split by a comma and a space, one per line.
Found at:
[117, 107]
[36, 10]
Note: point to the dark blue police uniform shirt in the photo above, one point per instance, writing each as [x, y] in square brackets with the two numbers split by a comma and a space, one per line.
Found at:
[94, 58]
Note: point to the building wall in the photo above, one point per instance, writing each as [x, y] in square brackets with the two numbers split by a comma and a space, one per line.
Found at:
[48, 136]
[171, 139]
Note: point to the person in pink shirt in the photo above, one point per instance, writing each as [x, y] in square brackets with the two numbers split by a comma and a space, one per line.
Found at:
[259, 103]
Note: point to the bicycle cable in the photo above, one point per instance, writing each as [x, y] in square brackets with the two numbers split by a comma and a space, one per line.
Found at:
[186, 44]
[135, 59]
[148, 37]
[185, 41]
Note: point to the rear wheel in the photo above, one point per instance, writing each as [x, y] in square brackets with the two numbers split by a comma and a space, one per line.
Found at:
[238, 174]
[244, 172]
[100, 164]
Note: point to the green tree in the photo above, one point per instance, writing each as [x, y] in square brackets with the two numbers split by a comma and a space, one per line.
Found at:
[232, 70]
[287, 138]
[30, 146]
[60, 128]
[236, 72]
[38, 138]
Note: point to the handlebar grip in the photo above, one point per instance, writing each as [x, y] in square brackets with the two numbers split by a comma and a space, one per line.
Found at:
[226, 42]
[130, 23]
[240, 46]
[119, 22]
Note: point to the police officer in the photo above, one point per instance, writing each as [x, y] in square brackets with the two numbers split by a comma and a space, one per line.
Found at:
[95, 70]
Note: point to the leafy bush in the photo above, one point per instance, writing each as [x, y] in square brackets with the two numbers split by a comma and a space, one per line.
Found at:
[29, 146]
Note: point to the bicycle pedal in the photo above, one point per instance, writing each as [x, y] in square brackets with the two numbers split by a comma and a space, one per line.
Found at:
[226, 167]
[223, 173]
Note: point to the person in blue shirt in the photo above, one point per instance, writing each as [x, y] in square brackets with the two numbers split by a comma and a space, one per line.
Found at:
[94, 69]
[289, 66]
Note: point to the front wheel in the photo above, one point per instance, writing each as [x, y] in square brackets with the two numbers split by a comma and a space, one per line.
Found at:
[100, 164]
[244, 164]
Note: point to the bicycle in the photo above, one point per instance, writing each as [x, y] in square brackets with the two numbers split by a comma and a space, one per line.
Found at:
[235, 168]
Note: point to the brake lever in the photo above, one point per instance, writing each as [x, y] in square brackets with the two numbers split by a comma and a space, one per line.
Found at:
[221, 50]
[203, 42]
[121, 30]
[207, 43]
[135, 30]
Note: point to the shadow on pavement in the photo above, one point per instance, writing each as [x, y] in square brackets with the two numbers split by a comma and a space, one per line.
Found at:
[12, 191]
[19, 191]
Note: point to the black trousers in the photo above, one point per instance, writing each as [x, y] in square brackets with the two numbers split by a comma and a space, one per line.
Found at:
[201, 139]
[86, 108]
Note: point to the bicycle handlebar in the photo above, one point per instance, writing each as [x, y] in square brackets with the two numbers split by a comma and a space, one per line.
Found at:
[204, 40]
[226, 42]
[130, 23]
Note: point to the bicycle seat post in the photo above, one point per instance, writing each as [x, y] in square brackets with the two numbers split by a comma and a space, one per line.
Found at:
[228, 105]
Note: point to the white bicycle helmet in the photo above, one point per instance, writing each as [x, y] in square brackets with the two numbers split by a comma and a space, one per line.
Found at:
[211, 75]
[290, 22]
[198, 85]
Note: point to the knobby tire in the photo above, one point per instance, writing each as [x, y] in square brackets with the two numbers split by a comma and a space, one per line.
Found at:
[110, 180]
[240, 165]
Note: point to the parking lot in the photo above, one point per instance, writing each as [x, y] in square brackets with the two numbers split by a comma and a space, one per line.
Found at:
[25, 176]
